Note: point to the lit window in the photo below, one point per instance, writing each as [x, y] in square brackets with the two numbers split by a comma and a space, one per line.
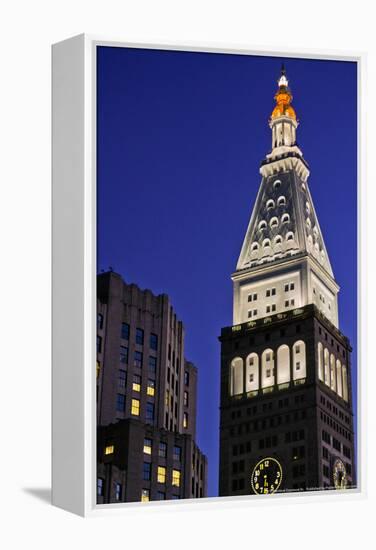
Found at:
[135, 410]
[177, 453]
[185, 399]
[153, 342]
[136, 386]
[122, 378]
[100, 485]
[145, 495]
[176, 474]
[149, 411]
[185, 420]
[152, 364]
[125, 331]
[137, 359]
[162, 452]
[151, 387]
[139, 336]
[147, 445]
[161, 474]
[120, 402]
[118, 491]
[123, 354]
[146, 471]
[109, 450]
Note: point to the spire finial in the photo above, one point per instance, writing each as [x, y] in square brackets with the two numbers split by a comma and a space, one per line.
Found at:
[283, 78]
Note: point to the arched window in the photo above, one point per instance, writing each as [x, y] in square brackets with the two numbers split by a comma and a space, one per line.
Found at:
[267, 368]
[270, 204]
[285, 218]
[274, 222]
[266, 243]
[315, 232]
[236, 376]
[333, 384]
[281, 201]
[308, 208]
[262, 225]
[277, 184]
[254, 247]
[326, 367]
[254, 250]
[320, 354]
[252, 373]
[339, 377]
[283, 364]
[344, 383]
[299, 360]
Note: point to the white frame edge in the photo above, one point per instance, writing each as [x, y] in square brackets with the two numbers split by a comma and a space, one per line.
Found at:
[74, 278]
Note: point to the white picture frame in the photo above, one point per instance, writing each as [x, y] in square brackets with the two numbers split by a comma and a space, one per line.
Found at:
[74, 276]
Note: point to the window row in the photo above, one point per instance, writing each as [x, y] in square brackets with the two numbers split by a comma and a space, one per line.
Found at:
[271, 292]
[138, 358]
[161, 474]
[332, 372]
[161, 495]
[135, 407]
[254, 374]
[162, 449]
[125, 334]
[136, 382]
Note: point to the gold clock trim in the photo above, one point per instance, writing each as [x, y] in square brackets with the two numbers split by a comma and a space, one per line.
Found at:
[272, 458]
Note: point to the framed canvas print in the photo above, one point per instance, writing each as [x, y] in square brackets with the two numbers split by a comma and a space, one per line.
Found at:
[206, 275]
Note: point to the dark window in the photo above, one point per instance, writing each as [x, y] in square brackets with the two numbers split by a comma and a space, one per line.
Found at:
[100, 321]
[162, 452]
[297, 327]
[100, 485]
[125, 331]
[146, 471]
[120, 402]
[325, 453]
[99, 344]
[118, 491]
[123, 354]
[122, 378]
[161, 495]
[137, 359]
[153, 341]
[186, 378]
[152, 364]
[177, 453]
[325, 470]
[139, 336]
[149, 411]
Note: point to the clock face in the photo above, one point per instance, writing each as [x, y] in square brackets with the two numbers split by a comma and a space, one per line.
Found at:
[266, 476]
[339, 474]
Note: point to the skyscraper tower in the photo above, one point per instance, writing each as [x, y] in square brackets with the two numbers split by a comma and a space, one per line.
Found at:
[286, 418]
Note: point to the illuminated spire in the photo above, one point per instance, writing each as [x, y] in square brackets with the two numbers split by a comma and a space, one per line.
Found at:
[283, 98]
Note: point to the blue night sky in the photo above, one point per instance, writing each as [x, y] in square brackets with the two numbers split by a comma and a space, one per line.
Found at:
[180, 139]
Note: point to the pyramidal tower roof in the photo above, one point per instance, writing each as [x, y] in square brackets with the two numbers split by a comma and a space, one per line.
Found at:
[283, 223]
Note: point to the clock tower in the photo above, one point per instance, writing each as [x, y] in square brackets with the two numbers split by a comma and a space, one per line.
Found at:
[286, 421]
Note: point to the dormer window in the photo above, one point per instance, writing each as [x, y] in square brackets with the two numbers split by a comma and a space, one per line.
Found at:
[262, 225]
[266, 243]
[274, 222]
[308, 223]
[270, 204]
[277, 184]
[290, 236]
[278, 239]
[281, 201]
[285, 218]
